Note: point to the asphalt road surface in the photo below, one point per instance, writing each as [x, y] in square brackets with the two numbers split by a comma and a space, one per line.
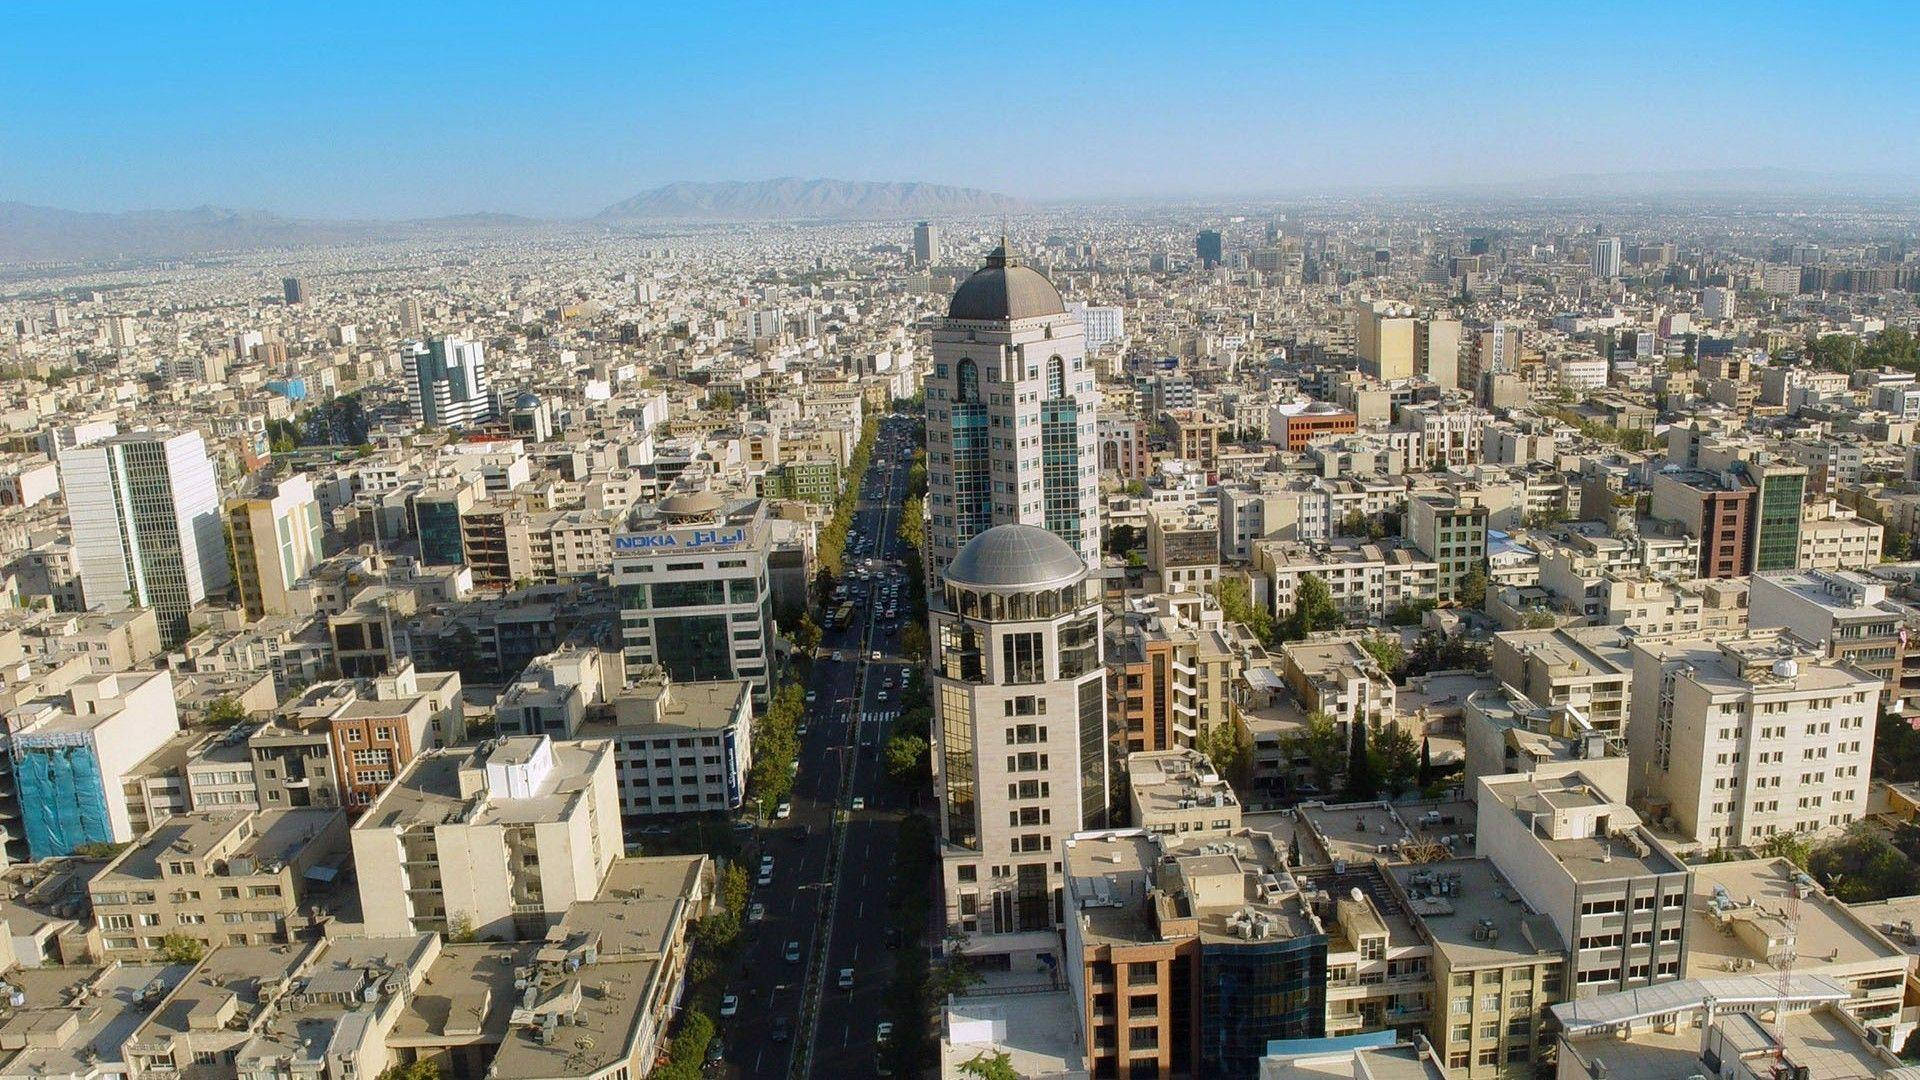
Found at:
[828, 893]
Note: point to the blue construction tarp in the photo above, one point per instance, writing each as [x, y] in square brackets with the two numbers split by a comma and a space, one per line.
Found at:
[61, 800]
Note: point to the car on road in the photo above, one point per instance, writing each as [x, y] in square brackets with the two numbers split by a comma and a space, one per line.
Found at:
[756, 913]
[876, 656]
[859, 802]
[801, 731]
[729, 1005]
[813, 696]
[780, 813]
[717, 1049]
[882, 1052]
[846, 978]
[892, 936]
[793, 952]
[781, 1031]
[881, 696]
[766, 876]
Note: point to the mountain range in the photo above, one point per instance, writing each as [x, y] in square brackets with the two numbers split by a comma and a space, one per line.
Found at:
[31, 233]
[788, 198]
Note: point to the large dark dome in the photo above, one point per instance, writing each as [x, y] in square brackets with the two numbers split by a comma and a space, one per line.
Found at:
[1015, 557]
[1003, 290]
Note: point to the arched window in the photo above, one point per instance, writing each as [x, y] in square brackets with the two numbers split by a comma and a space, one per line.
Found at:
[1056, 379]
[966, 383]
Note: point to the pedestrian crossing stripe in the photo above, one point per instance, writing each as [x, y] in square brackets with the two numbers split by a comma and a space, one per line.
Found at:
[877, 717]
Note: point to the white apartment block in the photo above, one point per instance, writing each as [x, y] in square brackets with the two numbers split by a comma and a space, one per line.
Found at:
[501, 838]
[1368, 581]
[1735, 740]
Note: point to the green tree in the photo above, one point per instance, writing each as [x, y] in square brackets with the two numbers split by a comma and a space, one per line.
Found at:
[1236, 603]
[1895, 546]
[1397, 758]
[417, 1069]
[1354, 524]
[1230, 757]
[1410, 614]
[1791, 846]
[460, 930]
[806, 634]
[1363, 784]
[225, 712]
[1318, 743]
[1426, 763]
[721, 400]
[909, 761]
[178, 948]
[912, 529]
[1472, 593]
[1313, 610]
[913, 640]
[1386, 651]
[997, 1065]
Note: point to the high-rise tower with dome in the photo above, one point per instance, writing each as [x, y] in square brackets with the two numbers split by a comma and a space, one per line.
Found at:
[1011, 411]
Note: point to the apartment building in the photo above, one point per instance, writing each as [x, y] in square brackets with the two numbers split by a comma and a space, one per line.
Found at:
[1840, 543]
[1738, 923]
[1844, 611]
[1588, 669]
[1617, 898]
[1735, 739]
[501, 838]
[1169, 677]
[1714, 509]
[373, 727]
[1506, 732]
[1183, 547]
[1452, 531]
[230, 877]
[1178, 792]
[70, 755]
[1368, 581]
[1332, 673]
[275, 539]
[1495, 965]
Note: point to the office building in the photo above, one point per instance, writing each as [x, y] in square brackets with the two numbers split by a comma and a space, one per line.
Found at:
[697, 601]
[1714, 509]
[446, 382]
[147, 532]
[1101, 325]
[1009, 358]
[926, 244]
[1207, 246]
[1606, 257]
[70, 754]
[276, 539]
[294, 290]
[229, 877]
[683, 747]
[1717, 302]
[1736, 739]
[501, 838]
[1020, 748]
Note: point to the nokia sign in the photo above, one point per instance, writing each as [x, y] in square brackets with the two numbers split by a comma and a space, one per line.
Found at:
[681, 540]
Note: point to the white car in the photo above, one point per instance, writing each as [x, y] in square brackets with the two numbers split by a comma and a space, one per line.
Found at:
[859, 802]
[766, 875]
[876, 656]
[756, 913]
[846, 978]
[780, 813]
[729, 1005]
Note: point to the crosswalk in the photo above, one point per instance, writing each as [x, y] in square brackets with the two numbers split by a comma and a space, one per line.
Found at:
[878, 717]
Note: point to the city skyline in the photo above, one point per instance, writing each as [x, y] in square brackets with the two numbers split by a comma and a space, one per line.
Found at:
[347, 114]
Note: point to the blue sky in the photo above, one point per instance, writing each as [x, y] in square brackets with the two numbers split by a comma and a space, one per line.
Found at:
[404, 109]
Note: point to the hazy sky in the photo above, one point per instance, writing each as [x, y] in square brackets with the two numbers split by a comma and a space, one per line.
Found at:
[403, 109]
